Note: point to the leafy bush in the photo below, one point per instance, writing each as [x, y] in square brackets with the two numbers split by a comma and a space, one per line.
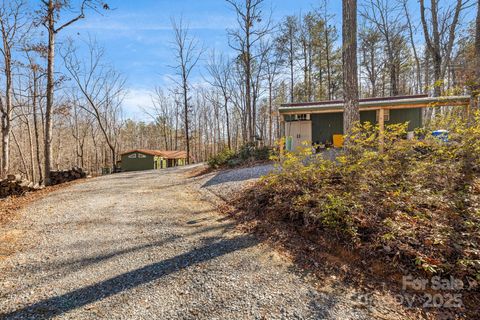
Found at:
[247, 153]
[419, 197]
[221, 158]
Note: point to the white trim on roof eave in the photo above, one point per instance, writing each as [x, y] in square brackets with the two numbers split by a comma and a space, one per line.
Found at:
[373, 104]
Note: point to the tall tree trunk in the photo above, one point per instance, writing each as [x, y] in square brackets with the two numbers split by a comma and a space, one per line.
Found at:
[227, 118]
[351, 114]
[185, 107]
[433, 42]
[50, 87]
[7, 109]
[291, 63]
[327, 58]
[248, 84]
[270, 114]
[418, 88]
[393, 76]
[475, 91]
[5, 143]
[114, 158]
[22, 158]
[477, 47]
[30, 145]
[427, 71]
[437, 75]
[35, 124]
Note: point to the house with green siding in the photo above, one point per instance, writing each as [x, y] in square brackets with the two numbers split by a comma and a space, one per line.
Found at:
[322, 122]
[144, 159]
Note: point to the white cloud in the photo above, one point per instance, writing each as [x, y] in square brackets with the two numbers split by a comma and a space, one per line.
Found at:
[134, 23]
[136, 101]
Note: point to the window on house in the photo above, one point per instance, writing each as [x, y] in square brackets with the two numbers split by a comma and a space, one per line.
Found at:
[386, 115]
[141, 155]
[133, 156]
[302, 117]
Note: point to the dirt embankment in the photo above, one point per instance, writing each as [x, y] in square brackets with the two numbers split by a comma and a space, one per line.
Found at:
[328, 256]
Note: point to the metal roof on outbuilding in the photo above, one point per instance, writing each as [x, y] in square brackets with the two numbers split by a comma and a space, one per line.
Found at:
[400, 102]
[160, 153]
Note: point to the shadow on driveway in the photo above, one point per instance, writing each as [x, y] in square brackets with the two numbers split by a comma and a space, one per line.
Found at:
[59, 305]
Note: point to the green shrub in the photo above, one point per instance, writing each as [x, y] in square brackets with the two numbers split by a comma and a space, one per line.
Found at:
[427, 190]
[221, 158]
[247, 153]
[262, 153]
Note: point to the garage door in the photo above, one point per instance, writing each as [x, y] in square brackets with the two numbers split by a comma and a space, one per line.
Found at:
[300, 131]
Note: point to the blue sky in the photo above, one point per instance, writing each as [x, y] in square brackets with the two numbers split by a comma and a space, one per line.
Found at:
[137, 36]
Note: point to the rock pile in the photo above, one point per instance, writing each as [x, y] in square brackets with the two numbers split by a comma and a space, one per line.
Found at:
[62, 176]
[14, 185]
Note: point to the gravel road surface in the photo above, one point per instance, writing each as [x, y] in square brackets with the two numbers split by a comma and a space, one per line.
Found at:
[224, 184]
[145, 245]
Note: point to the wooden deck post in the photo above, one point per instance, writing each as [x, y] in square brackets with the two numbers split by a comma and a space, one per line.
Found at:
[381, 128]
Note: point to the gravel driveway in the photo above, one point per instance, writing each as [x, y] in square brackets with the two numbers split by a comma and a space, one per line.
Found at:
[224, 184]
[144, 245]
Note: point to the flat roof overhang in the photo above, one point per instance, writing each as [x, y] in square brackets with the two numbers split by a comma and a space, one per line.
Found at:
[404, 103]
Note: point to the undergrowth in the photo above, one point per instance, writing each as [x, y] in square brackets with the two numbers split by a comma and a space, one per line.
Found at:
[246, 154]
[415, 205]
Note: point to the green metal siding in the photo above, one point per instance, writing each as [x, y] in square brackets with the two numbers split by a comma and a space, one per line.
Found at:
[414, 116]
[137, 164]
[368, 116]
[325, 125]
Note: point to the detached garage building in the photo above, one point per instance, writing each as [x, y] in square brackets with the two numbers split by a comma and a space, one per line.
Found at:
[143, 159]
[322, 122]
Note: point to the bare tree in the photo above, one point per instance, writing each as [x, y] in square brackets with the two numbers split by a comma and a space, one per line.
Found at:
[475, 85]
[477, 45]
[220, 72]
[287, 47]
[243, 40]
[163, 115]
[51, 10]
[102, 88]
[14, 27]
[371, 59]
[439, 34]
[330, 36]
[387, 17]
[309, 23]
[36, 73]
[351, 114]
[411, 31]
[80, 125]
[271, 73]
[187, 53]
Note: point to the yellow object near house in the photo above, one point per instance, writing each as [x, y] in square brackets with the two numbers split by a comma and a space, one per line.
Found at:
[321, 122]
[338, 140]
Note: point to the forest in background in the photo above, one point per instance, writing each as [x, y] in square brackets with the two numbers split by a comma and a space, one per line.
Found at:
[61, 107]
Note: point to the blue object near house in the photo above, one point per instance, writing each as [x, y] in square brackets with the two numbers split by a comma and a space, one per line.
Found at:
[289, 143]
[320, 121]
[441, 135]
